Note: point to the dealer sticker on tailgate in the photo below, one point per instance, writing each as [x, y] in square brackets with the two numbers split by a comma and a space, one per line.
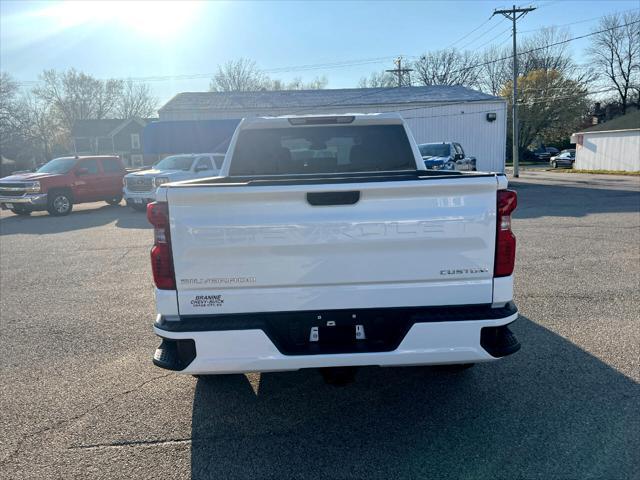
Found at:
[207, 301]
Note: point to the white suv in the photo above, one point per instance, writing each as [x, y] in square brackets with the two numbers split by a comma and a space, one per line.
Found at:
[140, 187]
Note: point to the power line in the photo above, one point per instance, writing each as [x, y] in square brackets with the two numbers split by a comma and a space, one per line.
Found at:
[472, 31]
[480, 36]
[580, 21]
[496, 60]
[494, 39]
[297, 68]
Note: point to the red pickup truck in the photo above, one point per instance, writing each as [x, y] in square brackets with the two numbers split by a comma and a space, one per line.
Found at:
[62, 182]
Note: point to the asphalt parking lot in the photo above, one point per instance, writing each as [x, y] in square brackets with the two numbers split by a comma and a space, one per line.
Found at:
[81, 399]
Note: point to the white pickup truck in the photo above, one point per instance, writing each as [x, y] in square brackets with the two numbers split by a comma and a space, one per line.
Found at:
[139, 188]
[326, 243]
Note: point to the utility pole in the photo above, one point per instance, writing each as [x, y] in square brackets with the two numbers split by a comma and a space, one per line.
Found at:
[514, 14]
[399, 71]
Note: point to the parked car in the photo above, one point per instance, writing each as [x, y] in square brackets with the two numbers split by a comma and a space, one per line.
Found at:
[566, 158]
[545, 153]
[363, 257]
[446, 156]
[63, 182]
[139, 188]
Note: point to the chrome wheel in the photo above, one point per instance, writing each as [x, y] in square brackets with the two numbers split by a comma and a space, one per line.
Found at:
[61, 204]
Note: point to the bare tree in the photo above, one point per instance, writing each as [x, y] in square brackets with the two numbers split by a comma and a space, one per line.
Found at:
[136, 100]
[318, 83]
[616, 51]
[41, 126]
[28, 128]
[243, 75]
[297, 83]
[75, 96]
[494, 70]
[542, 52]
[448, 67]
[240, 75]
[8, 107]
[378, 80]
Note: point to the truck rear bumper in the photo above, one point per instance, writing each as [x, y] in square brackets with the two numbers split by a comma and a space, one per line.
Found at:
[429, 340]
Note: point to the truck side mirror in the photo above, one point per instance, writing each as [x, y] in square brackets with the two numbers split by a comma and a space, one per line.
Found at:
[458, 156]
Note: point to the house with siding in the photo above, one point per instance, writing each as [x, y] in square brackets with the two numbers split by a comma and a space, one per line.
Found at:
[113, 136]
[612, 145]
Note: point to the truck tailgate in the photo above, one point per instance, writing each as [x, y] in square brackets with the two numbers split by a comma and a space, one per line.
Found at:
[240, 249]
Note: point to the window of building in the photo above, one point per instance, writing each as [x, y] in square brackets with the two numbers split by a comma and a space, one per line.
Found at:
[135, 141]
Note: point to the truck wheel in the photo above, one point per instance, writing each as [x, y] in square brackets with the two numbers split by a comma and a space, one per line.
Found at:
[115, 200]
[20, 210]
[59, 204]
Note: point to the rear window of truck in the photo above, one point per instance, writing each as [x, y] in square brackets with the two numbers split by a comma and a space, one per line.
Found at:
[322, 149]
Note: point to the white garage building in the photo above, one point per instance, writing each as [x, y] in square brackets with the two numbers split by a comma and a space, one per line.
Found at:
[434, 113]
[613, 145]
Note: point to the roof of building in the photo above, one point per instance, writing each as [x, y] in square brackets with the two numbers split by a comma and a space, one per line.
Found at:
[100, 128]
[324, 98]
[629, 121]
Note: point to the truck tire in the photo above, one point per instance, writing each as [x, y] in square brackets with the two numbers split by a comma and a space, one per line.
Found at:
[115, 200]
[20, 210]
[59, 203]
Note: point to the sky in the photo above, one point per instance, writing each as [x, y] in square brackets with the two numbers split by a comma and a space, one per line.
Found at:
[177, 46]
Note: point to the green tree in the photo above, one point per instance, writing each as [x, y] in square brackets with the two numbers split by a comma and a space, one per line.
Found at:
[550, 106]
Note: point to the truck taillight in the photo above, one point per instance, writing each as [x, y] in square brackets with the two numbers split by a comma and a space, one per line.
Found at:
[161, 258]
[505, 239]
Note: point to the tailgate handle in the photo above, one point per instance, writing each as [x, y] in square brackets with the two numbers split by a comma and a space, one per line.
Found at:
[333, 198]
